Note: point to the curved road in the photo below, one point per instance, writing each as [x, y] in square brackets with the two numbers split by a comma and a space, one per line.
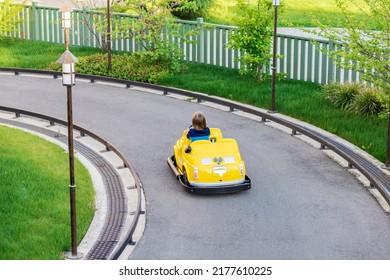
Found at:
[302, 205]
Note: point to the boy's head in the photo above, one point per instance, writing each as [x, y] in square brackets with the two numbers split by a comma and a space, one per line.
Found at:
[199, 121]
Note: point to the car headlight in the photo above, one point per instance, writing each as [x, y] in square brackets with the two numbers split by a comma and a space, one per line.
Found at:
[207, 161]
[229, 159]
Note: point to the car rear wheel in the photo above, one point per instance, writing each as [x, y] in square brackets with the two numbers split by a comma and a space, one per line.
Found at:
[173, 158]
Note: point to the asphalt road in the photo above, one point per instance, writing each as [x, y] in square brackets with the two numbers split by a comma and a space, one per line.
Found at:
[302, 205]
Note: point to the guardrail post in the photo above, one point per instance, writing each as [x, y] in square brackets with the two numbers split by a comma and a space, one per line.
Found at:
[293, 132]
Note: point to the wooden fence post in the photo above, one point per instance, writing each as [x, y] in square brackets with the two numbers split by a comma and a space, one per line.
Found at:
[200, 41]
[33, 21]
[331, 65]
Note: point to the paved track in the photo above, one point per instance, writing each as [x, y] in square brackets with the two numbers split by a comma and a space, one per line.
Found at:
[302, 205]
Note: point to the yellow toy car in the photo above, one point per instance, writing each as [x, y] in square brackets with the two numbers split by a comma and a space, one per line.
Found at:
[212, 165]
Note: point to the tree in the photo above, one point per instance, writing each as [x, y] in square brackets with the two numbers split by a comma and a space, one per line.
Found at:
[155, 26]
[96, 19]
[9, 16]
[253, 36]
[151, 25]
[364, 45]
[360, 47]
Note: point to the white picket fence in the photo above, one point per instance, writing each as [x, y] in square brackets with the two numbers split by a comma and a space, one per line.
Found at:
[299, 58]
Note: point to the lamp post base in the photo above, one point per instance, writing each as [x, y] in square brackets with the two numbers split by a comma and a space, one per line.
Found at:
[70, 256]
[384, 166]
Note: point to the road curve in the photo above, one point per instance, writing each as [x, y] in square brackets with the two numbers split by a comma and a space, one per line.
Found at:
[302, 205]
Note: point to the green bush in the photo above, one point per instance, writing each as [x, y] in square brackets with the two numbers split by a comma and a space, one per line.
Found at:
[369, 102]
[342, 95]
[140, 66]
[357, 98]
[197, 8]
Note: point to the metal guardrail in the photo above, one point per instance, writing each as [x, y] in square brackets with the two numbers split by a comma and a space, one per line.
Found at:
[109, 147]
[373, 173]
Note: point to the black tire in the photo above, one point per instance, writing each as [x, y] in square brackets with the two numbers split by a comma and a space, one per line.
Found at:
[185, 179]
[173, 158]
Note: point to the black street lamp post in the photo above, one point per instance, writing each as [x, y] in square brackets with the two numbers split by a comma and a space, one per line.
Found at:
[68, 60]
[275, 3]
[108, 37]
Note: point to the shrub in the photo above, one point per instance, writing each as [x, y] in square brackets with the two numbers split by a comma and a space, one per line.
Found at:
[198, 8]
[253, 36]
[342, 95]
[140, 66]
[357, 98]
[369, 102]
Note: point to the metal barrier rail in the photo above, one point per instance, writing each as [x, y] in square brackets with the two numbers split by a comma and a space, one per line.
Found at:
[373, 173]
[109, 147]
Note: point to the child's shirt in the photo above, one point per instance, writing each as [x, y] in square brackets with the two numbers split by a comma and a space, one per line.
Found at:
[192, 132]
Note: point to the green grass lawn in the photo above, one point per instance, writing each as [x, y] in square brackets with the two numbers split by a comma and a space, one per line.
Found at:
[34, 55]
[34, 200]
[295, 12]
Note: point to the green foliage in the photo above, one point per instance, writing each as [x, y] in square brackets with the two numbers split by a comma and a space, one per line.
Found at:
[151, 25]
[154, 28]
[140, 66]
[342, 95]
[97, 25]
[253, 36]
[369, 102]
[367, 148]
[198, 8]
[357, 98]
[360, 48]
[9, 16]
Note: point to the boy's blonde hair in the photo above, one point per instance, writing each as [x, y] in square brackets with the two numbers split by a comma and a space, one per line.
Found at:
[199, 121]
